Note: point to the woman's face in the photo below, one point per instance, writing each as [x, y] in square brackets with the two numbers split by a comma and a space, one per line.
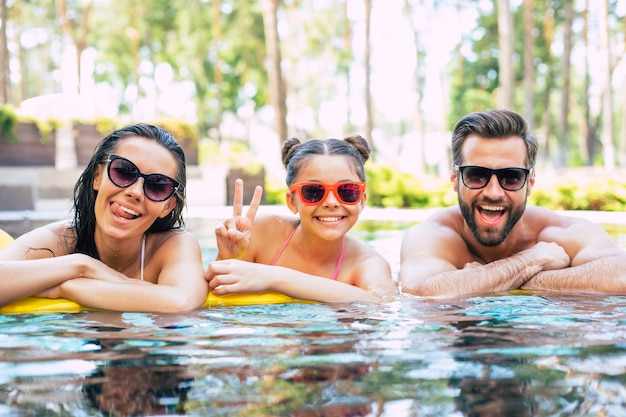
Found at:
[331, 219]
[124, 211]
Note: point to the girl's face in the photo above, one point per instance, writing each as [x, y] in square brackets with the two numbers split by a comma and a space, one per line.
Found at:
[331, 219]
[121, 211]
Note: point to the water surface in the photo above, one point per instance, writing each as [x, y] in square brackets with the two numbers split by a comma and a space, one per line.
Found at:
[510, 354]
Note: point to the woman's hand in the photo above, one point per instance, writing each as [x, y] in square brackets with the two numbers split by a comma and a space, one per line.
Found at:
[235, 276]
[233, 236]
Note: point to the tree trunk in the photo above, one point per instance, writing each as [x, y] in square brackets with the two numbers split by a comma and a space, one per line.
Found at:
[275, 75]
[79, 40]
[505, 58]
[548, 34]
[623, 136]
[420, 158]
[347, 46]
[369, 124]
[607, 97]
[529, 67]
[588, 130]
[216, 41]
[5, 82]
[563, 128]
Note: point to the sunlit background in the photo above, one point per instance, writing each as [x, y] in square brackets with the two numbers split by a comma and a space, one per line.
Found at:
[208, 65]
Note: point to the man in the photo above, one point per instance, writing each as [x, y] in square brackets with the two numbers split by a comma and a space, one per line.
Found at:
[491, 241]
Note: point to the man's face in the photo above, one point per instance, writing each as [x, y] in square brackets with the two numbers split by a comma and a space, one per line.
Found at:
[491, 212]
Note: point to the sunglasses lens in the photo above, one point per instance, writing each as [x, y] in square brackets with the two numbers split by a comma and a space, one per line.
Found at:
[512, 179]
[476, 177]
[349, 193]
[312, 193]
[158, 187]
[122, 172]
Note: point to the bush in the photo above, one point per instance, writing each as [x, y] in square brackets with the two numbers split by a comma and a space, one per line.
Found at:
[573, 189]
[8, 121]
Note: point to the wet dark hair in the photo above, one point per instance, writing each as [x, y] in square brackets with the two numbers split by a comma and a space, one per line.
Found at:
[493, 124]
[295, 153]
[84, 220]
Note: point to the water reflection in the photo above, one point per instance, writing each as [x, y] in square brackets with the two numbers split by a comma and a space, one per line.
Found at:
[135, 388]
[514, 354]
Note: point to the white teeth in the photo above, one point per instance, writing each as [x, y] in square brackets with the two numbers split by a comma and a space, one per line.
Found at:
[329, 219]
[129, 211]
[492, 208]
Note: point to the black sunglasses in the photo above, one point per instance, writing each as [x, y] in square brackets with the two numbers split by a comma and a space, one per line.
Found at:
[123, 173]
[475, 177]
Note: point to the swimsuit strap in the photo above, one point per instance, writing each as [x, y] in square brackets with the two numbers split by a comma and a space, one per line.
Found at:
[293, 232]
[282, 248]
[343, 246]
[143, 253]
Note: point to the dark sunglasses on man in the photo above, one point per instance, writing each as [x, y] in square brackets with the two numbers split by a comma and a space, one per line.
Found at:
[477, 177]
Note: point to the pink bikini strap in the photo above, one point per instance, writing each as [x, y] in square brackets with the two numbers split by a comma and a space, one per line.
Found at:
[282, 248]
[293, 232]
[343, 246]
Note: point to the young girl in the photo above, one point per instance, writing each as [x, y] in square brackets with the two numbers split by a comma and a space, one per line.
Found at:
[125, 248]
[309, 256]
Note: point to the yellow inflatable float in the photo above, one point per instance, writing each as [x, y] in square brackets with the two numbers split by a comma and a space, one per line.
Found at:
[61, 305]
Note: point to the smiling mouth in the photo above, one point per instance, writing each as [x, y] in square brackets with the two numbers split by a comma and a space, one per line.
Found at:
[491, 213]
[330, 219]
[124, 212]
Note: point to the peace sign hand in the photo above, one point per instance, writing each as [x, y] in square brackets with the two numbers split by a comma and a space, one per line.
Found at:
[233, 236]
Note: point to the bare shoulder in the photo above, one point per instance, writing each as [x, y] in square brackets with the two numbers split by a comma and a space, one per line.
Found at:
[269, 231]
[439, 238]
[550, 222]
[267, 225]
[582, 239]
[174, 238]
[53, 239]
[367, 267]
[360, 251]
[446, 223]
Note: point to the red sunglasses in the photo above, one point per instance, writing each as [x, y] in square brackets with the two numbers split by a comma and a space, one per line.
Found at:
[314, 193]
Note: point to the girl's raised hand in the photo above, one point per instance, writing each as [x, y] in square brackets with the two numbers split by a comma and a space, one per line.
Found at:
[233, 236]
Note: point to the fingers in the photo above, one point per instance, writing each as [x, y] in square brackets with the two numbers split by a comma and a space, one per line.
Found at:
[255, 203]
[238, 198]
[220, 230]
[219, 279]
[216, 269]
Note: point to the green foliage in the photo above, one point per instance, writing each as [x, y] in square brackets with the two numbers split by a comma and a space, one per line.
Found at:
[8, 121]
[180, 128]
[274, 191]
[234, 154]
[581, 189]
[388, 187]
[578, 189]
[45, 126]
[105, 125]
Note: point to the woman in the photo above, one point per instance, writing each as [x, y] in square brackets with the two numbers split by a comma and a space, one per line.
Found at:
[125, 248]
[309, 256]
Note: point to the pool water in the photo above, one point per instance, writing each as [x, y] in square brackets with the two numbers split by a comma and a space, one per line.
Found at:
[510, 354]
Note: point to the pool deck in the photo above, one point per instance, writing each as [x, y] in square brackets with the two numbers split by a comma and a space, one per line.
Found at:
[56, 209]
[52, 190]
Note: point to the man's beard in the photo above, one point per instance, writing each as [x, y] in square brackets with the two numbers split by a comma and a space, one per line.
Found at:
[490, 236]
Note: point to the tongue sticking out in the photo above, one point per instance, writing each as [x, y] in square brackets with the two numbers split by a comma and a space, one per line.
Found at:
[124, 212]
